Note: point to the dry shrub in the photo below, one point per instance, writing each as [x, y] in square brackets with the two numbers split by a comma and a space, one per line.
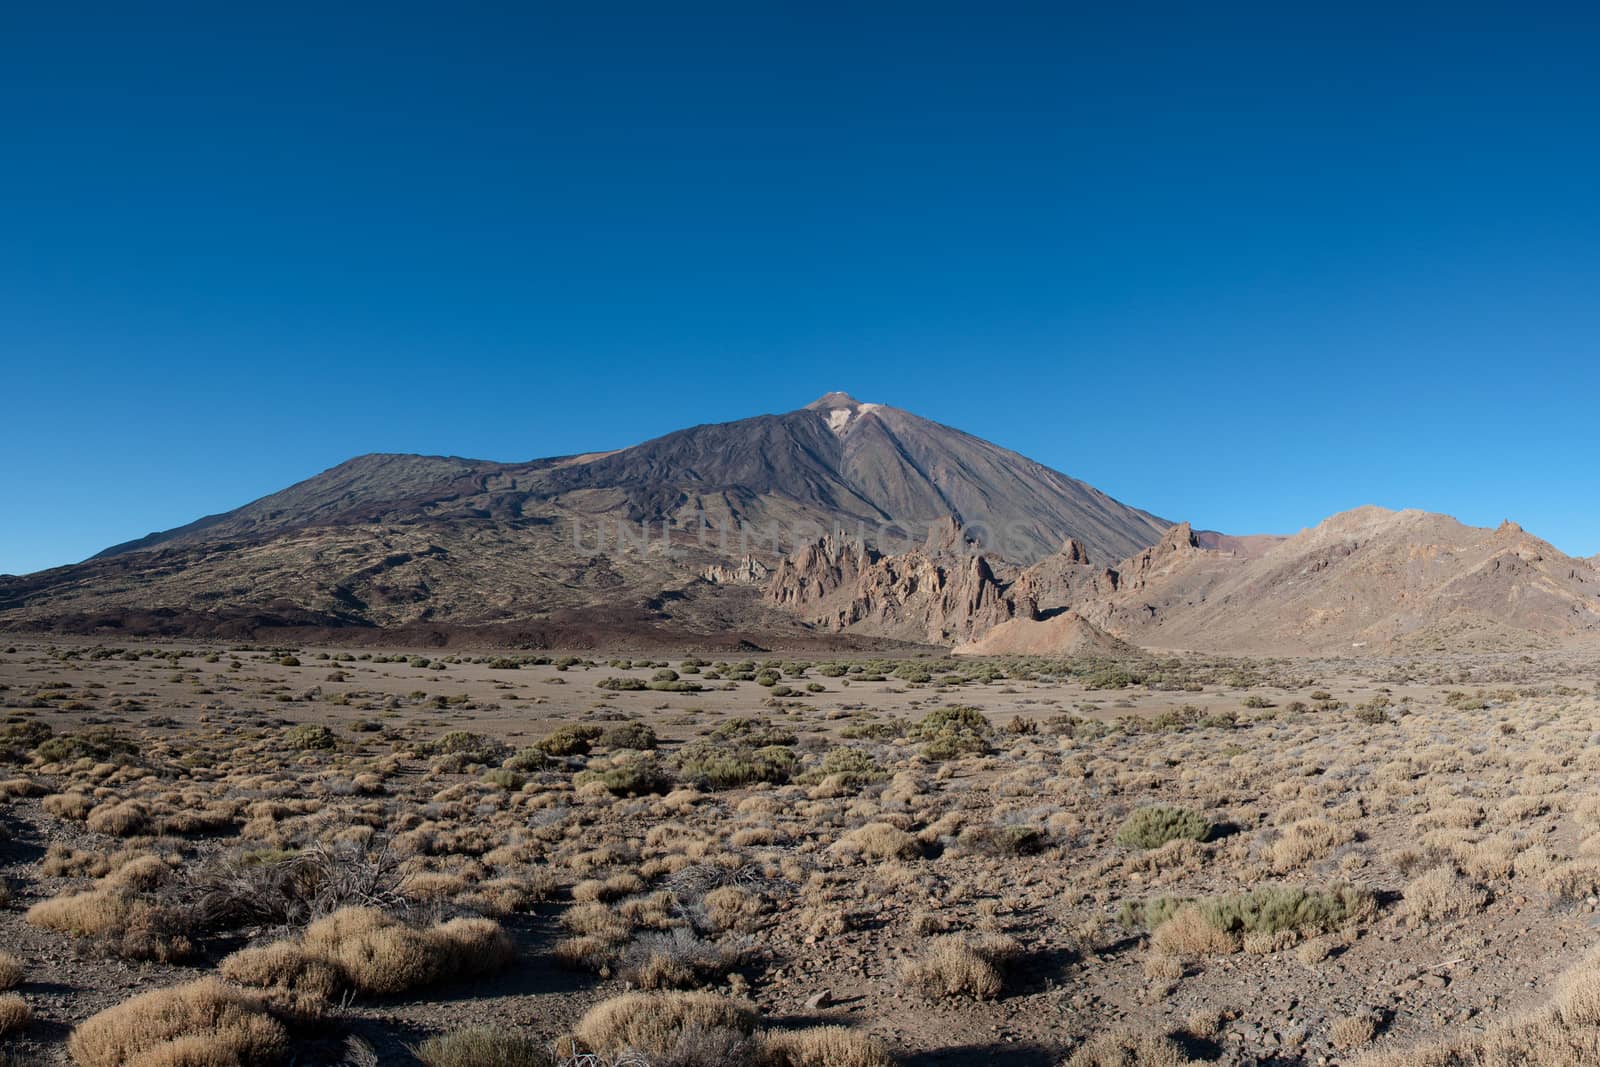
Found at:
[1189, 933]
[74, 806]
[959, 965]
[120, 818]
[245, 888]
[1161, 967]
[483, 1046]
[203, 1023]
[676, 959]
[125, 925]
[881, 841]
[14, 1014]
[586, 953]
[1353, 1031]
[1441, 893]
[60, 861]
[822, 1046]
[596, 920]
[1307, 840]
[1572, 881]
[473, 946]
[140, 874]
[375, 953]
[666, 1025]
[1562, 1034]
[11, 973]
[1128, 1050]
[283, 966]
[731, 908]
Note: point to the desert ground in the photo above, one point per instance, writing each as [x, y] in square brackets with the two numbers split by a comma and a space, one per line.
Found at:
[318, 855]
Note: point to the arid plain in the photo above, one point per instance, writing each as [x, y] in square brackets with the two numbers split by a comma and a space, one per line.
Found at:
[514, 858]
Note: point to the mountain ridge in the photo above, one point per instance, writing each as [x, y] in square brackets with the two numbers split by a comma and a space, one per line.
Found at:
[387, 540]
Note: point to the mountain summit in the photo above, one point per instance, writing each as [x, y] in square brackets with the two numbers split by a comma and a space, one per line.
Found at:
[394, 540]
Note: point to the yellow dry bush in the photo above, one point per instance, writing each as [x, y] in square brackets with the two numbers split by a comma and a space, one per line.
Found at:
[1441, 893]
[140, 873]
[284, 966]
[881, 841]
[958, 965]
[11, 973]
[371, 952]
[1307, 840]
[204, 1022]
[60, 861]
[731, 908]
[74, 806]
[120, 818]
[1188, 933]
[92, 913]
[654, 1023]
[14, 1014]
[1128, 1050]
[1352, 1031]
[822, 1046]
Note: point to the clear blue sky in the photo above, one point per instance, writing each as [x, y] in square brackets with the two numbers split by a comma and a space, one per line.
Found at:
[1245, 265]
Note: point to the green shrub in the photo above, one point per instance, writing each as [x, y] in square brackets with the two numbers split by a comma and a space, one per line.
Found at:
[628, 685]
[308, 736]
[1154, 826]
[526, 759]
[630, 735]
[720, 766]
[676, 687]
[952, 732]
[756, 733]
[1001, 840]
[100, 743]
[475, 748]
[1270, 910]
[630, 774]
[569, 741]
[850, 766]
[504, 777]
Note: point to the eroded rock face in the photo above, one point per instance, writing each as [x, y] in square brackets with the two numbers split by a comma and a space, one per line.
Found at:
[936, 593]
[748, 571]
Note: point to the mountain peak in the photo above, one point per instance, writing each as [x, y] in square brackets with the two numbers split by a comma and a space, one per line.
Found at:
[834, 402]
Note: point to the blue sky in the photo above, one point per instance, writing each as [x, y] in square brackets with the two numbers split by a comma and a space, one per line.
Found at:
[1245, 265]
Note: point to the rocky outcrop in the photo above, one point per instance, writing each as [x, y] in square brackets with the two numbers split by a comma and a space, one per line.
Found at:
[936, 593]
[1064, 634]
[748, 571]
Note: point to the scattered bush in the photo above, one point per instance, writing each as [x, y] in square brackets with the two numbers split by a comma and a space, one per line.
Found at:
[204, 1022]
[1154, 826]
[960, 965]
[483, 1046]
[688, 1028]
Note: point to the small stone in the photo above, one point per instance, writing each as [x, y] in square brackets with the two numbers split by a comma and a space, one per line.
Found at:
[819, 1000]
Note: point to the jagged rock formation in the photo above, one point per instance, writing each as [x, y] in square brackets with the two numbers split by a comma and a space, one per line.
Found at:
[748, 571]
[1365, 579]
[936, 593]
